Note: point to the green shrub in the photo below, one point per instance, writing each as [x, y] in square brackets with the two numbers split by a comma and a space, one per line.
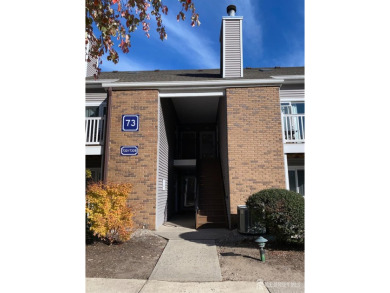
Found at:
[282, 211]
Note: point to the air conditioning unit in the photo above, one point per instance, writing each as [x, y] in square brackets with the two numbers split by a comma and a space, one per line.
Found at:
[246, 224]
[243, 218]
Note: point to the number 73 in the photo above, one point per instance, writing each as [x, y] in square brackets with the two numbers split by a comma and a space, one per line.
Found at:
[130, 122]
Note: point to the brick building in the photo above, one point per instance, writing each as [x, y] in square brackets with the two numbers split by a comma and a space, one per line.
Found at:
[198, 142]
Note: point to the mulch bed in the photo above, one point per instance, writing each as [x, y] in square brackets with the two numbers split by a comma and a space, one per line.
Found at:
[134, 259]
[239, 258]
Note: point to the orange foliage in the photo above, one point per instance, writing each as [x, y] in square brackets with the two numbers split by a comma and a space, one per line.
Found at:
[108, 214]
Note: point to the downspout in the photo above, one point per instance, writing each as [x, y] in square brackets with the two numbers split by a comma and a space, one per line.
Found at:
[107, 136]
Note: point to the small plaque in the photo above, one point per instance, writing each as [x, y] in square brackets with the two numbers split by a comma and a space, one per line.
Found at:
[130, 150]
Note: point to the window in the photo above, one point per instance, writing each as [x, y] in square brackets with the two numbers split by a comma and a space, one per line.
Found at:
[293, 107]
[92, 111]
[296, 178]
[96, 111]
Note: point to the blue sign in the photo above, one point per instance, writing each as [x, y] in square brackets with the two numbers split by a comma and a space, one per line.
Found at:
[130, 122]
[130, 150]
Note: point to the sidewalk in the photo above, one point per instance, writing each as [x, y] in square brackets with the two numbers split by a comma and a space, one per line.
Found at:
[94, 285]
[153, 286]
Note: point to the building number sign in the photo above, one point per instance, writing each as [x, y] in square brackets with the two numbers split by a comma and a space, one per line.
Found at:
[130, 122]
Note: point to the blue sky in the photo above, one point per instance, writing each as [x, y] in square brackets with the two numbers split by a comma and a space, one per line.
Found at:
[273, 35]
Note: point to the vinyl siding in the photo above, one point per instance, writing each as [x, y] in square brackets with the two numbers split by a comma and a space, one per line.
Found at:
[292, 93]
[232, 48]
[166, 130]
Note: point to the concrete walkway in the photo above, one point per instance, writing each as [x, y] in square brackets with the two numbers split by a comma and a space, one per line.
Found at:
[190, 255]
[187, 261]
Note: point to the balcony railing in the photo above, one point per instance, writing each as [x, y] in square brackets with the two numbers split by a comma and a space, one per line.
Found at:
[293, 128]
[94, 130]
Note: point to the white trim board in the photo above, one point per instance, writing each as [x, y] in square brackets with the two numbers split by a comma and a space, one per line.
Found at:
[293, 148]
[93, 150]
[286, 100]
[191, 94]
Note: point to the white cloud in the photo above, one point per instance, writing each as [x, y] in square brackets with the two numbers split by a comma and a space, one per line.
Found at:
[126, 63]
[187, 42]
[252, 28]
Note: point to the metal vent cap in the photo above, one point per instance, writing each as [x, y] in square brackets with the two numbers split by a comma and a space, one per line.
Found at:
[231, 10]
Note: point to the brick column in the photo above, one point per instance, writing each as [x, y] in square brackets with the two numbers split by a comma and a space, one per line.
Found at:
[138, 170]
[255, 145]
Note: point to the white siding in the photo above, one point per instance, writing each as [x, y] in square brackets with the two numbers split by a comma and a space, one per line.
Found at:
[292, 94]
[91, 70]
[162, 170]
[232, 48]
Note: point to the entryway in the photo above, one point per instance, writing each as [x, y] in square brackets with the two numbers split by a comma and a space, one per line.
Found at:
[190, 163]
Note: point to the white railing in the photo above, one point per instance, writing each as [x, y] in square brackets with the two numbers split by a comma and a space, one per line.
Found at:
[293, 128]
[94, 130]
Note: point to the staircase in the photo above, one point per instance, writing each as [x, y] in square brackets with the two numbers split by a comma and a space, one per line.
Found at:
[211, 211]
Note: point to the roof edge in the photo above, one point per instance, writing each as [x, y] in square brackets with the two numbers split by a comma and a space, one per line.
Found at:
[290, 79]
[189, 84]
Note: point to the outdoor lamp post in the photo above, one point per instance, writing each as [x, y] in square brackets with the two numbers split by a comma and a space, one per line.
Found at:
[261, 242]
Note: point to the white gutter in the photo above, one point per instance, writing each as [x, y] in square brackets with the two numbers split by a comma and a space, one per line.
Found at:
[288, 76]
[290, 79]
[223, 83]
[92, 84]
[92, 81]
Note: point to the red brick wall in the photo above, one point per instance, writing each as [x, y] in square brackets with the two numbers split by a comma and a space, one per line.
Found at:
[255, 146]
[138, 170]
